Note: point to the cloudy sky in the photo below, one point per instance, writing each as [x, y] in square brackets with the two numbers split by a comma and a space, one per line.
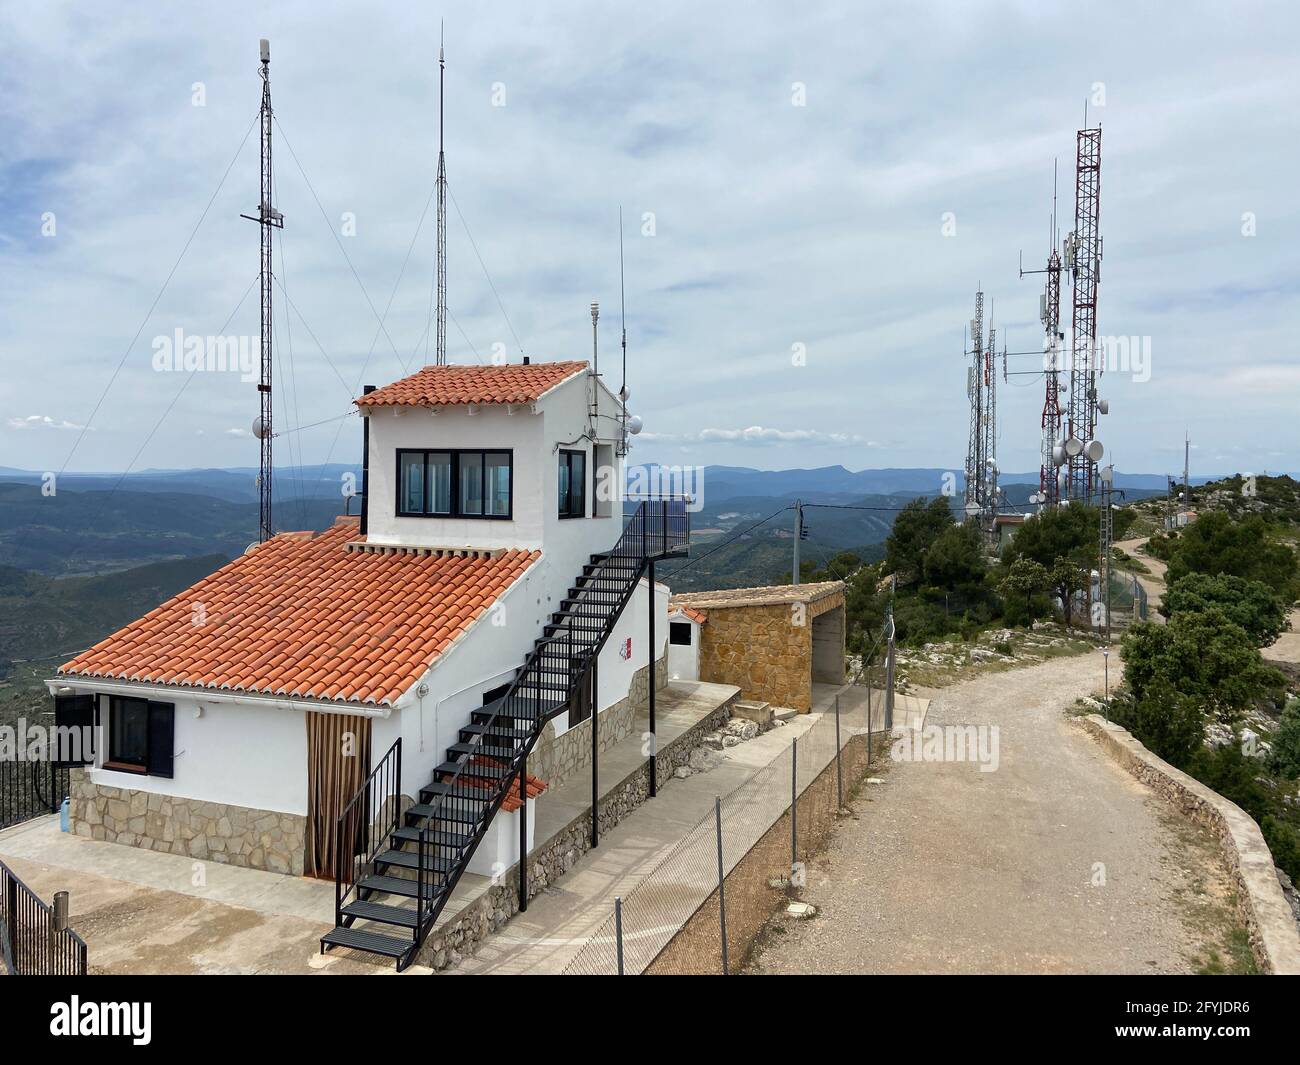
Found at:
[785, 172]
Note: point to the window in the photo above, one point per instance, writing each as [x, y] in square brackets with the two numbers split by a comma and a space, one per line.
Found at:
[679, 633]
[141, 736]
[453, 484]
[573, 484]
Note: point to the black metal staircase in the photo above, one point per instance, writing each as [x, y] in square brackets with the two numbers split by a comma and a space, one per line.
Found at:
[395, 866]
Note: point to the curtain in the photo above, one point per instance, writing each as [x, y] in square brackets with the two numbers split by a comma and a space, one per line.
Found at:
[338, 763]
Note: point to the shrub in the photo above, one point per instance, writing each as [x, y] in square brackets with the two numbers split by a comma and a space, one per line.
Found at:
[1285, 757]
[1250, 604]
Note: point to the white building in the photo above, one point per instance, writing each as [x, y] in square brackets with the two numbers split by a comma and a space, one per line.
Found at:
[241, 717]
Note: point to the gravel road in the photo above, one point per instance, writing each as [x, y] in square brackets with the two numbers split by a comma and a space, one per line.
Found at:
[952, 870]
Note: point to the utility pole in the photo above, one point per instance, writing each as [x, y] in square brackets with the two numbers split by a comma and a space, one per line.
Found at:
[798, 535]
[441, 357]
[1187, 453]
[269, 219]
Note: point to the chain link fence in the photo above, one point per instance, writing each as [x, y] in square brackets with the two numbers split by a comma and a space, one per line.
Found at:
[701, 908]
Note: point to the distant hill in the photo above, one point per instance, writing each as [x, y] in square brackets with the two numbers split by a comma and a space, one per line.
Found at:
[85, 532]
[43, 617]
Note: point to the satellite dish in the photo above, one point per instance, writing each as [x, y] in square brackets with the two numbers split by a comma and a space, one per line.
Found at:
[260, 429]
[972, 509]
[1103, 406]
[634, 424]
[1073, 446]
[625, 393]
[1107, 474]
[1058, 454]
[1094, 451]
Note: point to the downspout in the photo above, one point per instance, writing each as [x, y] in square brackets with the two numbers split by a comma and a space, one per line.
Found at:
[365, 465]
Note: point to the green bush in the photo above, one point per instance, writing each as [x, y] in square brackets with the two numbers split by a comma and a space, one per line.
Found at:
[1201, 654]
[1283, 840]
[1168, 723]
[1248, 603]
[1284, 759]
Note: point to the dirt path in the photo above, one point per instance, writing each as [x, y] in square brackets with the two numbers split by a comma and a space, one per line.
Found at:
[1153, 583]
[1058, 861]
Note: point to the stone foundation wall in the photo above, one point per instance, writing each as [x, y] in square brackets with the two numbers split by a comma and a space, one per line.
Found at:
[555, 759]
[766, 651]
[448, 944]
[207, 831]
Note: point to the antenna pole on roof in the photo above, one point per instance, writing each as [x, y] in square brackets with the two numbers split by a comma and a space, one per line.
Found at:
[622, 300]
[441, 357]
[269, 220]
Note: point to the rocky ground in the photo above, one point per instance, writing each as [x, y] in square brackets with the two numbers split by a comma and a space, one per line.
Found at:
[1058, 861]
[937, 665]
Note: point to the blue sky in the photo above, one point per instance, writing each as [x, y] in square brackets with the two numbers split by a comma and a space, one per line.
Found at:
[784, 175]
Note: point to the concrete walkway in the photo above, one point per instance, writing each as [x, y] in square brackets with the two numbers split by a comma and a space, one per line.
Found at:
[1056, 862]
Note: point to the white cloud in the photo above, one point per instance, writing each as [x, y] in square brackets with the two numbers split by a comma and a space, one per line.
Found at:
[42, 421]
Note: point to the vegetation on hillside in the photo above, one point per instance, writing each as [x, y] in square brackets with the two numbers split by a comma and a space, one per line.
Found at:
[1197, 689]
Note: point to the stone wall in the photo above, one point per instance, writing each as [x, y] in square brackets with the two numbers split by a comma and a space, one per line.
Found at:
[1274, 935]
[766, 651]
[454, 938]
[555, 759]
[207, 831]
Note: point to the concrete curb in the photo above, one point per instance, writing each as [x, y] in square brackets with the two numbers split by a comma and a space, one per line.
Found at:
[1274, 935]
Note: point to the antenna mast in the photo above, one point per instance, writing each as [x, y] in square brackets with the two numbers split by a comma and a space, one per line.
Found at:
[269, 219]
[1083, 257]
[975, 393]
[441, 357]
[622, 301]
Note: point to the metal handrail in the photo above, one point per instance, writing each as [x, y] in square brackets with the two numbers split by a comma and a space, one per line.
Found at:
[388, 769]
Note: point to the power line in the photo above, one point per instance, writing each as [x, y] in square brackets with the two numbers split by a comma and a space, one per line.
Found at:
[149, 313]
[731, 540]
[509, 325]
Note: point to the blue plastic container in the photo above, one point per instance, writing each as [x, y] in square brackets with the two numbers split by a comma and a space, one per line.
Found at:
[65, 815]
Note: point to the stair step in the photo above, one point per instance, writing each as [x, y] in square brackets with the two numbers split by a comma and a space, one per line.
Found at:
[411, 860]
[383, 913]
[411, 834]
[459, 790]
[375, 942]
[487, 772]
[481, 728]
[423, 811]
[395, 885]
[483, 749]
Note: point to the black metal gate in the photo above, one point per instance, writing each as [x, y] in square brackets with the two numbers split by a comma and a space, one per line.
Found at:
[34, 939]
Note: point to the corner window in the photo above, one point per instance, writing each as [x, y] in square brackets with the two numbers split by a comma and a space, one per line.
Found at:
[453, 484]
[573, 484]
[679, 633]
[140, 736]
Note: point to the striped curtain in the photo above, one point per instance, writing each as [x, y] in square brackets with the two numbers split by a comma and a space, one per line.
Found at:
[338, 763]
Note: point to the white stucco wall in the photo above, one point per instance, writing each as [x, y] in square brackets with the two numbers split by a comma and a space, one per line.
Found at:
[683, 661]
[233, 753]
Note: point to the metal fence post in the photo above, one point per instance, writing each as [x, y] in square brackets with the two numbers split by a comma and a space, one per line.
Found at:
[839, 771]
[722, 886]
[889, 679]
[618, 931]
[794, 804]
[868, 719]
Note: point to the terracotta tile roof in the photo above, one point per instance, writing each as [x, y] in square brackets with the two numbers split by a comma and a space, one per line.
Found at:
[436, 386]
[308, 618]
[534, 786]
[697, 616]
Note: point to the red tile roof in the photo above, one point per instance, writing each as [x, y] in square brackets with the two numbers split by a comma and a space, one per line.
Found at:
[305, 617]
[697, 616]
[436, 386]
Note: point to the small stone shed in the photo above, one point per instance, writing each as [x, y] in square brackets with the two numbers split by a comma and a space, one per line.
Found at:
[773, 643]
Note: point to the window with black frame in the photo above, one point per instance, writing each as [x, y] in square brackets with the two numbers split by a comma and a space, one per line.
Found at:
[454, 484]
[141, 734]
[573, 484]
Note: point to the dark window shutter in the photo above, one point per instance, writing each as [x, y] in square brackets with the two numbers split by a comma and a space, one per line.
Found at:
[76, 712]
[162, 738]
